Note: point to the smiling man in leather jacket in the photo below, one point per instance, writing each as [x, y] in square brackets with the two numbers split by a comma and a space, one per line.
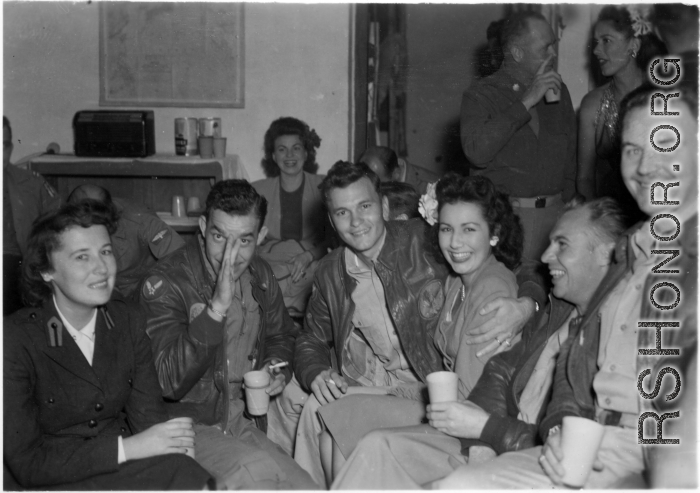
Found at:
[375, 304]
[503, 410]
[214, 312]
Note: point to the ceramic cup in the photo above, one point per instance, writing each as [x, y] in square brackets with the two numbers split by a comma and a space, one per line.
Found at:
[442, 386]
[219, 147]
[580, 440]
[193, 204]
[179, 206]
[206, 147]
[256, 399]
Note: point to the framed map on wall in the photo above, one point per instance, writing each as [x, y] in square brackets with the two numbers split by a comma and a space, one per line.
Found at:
[185, 54]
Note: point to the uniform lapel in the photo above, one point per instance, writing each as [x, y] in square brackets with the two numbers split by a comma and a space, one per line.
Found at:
[105, 358]
[63, 349]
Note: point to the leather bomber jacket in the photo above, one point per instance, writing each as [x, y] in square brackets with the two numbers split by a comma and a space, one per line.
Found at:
[577, 364]
[414, 287]
[189, 347]
[504, 378]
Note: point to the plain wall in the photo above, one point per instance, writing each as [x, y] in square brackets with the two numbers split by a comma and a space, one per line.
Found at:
[296, 64]
[442, 41]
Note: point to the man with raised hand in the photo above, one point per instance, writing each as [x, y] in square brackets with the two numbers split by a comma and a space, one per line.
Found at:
[214, 312]
[514, 137]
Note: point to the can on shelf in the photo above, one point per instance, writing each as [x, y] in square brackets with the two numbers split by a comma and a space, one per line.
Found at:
[186, 136]
[210, 127]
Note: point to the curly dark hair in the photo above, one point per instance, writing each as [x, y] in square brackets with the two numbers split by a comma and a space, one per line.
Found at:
[651, 46]
[45, 238]
[288, 125]
[496, 208]
[344, 173]
[236, 197]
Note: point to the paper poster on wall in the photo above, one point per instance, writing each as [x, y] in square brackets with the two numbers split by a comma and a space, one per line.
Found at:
[187, 54]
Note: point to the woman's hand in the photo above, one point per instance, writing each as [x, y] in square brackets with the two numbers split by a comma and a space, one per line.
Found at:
[510, 317]
[299, 265]
[172, 437]
[277, 379]
[552, 455]
[458, 419]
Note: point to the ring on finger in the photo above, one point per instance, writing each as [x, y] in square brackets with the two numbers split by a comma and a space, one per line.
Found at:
[507, 342]
[499, 341]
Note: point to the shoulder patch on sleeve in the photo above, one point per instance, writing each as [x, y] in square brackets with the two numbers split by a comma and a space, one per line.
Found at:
[430, 299]
[153, 288]
[159, 236]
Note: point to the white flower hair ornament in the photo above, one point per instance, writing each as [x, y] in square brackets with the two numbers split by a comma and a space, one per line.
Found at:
[640, 20]
[428, 205]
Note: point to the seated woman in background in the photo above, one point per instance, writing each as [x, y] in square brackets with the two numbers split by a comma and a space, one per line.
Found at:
[296, 223]
[82, 402]
[624, 45]
[477, 233]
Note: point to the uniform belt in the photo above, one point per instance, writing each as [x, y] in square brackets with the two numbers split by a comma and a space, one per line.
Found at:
[536, 202]
[616, 418]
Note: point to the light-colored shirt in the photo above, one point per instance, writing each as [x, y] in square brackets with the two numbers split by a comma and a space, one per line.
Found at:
[242, 327]
[85, 339]
[615, 384]
[373, 346]
[540, 380]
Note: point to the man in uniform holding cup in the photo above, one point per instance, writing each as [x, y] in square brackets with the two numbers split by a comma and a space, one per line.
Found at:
[518, 127]
[215, 313]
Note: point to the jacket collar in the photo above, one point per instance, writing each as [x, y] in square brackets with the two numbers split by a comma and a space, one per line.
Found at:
[61, 348]
[394, 242]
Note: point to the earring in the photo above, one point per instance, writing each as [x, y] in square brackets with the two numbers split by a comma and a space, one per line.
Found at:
[634, 54]
[494, 241]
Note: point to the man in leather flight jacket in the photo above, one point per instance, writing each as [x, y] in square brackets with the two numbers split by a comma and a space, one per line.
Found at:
[214, 312]
[410, 283]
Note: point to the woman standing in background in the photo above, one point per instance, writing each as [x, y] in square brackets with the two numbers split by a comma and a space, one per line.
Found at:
[624, 45]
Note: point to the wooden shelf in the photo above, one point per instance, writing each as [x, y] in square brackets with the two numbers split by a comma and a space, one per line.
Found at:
[152, 181]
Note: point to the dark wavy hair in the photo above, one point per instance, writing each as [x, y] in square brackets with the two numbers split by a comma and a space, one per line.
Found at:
[236, 197]
[343, 174]
[651, 46]
[403, 199]
[496, 208]
[288, 125]
[45, 238]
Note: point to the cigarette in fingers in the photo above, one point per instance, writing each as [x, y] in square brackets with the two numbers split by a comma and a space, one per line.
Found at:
[279, 365]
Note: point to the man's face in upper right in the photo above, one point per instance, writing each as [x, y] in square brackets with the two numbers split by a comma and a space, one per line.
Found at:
[537, 45]
[358, 213]
[642, 165]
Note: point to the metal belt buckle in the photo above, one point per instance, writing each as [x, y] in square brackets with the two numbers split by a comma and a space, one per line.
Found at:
[540, 202]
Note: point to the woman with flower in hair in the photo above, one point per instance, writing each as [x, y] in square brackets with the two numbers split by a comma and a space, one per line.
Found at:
[476, 232]
[296, 224]
[624, 45]
[481, 239]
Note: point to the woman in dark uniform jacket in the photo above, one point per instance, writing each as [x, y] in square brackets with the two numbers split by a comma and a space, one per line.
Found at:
[82, 403]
